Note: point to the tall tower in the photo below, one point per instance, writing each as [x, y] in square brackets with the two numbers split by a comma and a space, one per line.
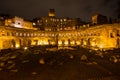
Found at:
[51, 13]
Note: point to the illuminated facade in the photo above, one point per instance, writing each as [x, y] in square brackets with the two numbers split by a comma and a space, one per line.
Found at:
[99, 19]
[53, 23]
[1, 22]
[19, 23]
[51, 13]
[103, 36]
[18, 33]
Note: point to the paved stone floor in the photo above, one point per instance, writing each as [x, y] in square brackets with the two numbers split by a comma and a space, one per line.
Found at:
[40, 63]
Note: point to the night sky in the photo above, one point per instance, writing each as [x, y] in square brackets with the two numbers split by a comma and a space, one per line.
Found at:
[83, 9]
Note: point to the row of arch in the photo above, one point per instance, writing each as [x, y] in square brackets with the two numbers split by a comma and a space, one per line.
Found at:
[59, 42]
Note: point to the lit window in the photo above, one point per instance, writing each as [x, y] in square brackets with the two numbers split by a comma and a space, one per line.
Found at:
[34, 24]
[24, 34]
[38, 34]
[38, 21]
[46, 20]
[16, 34]
[20, 34]
[64, 19]
[46, 34]
[28, 34]
[61, 20]
[57, 19]
[51, 19]
[31, 34]
[52, 34]
[42, 34]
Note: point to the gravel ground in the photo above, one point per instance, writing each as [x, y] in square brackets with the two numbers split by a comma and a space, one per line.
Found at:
[40, 63]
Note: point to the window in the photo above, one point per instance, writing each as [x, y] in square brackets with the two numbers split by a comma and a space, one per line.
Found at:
[61, 20]
[13, 34]
[46, 21]
[35, 34]
[42, 34]
[24, 34]
[38, 21]
[38, 35]
[118, 33]
[28, 34]
[111, 35]
[64, 19]
[57, 19]
[8, 34]
[16, 34]
[20, 34]
[31, 34]
[52, 34]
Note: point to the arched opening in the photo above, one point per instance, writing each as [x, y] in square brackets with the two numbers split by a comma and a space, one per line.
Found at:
[81, 42]
[63, 42]
[89, 42]
[20, 42]
[118, 43]
[69, 42]
[29, 42]
[13, 43]
[49, 42]
[36, 42]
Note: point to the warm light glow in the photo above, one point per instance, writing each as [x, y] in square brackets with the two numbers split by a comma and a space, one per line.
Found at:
[43, 42]
[46, 43]
[72, 42]
[17, 46]
[25, 48]
[53, 43]
[66, 42]
[78, 43]
[84, 43]
[60, 43]
[101, 46]
[34, 24]
[93, 44]
[40, 43]
[18, 26]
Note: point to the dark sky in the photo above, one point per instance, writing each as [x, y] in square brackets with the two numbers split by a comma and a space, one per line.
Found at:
[64, 8]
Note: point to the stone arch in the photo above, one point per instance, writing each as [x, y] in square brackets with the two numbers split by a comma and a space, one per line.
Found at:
[89, 42]
[69, 42]
[118, 42]
[49, 41]
[63, 42]
[13, 43]
[29, 42]
[36, 42]
[20, 42]
[82, 42]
